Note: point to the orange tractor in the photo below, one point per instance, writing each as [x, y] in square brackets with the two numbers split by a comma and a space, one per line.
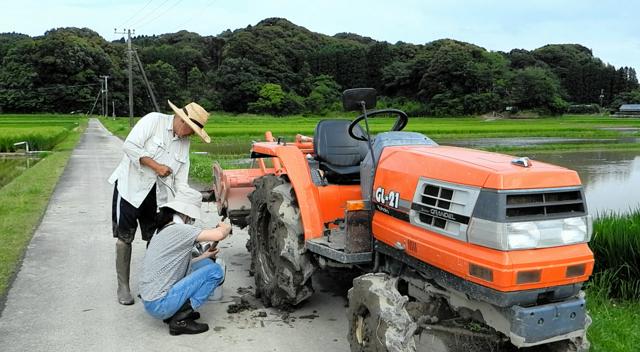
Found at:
[458, 249]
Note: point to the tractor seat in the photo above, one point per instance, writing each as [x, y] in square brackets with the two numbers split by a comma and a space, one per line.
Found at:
[338, 154]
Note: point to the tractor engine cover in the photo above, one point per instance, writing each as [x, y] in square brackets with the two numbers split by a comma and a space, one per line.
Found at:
[425, 200]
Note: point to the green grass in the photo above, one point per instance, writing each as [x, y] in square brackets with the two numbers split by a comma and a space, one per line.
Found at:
[119, 127]
[615, 323]
[24, 200]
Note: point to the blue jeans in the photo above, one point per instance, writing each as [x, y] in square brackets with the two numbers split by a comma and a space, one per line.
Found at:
[204, 277]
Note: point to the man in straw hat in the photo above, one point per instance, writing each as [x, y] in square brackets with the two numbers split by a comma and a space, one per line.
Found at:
[172, 284]
[155, 165]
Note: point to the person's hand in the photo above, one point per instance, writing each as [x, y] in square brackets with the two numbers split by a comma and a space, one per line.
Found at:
[163, 170]
[225, 228]
[213, 252]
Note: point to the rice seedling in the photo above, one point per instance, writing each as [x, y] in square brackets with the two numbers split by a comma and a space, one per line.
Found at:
[42, 132]
[616, 246]
[39, 138]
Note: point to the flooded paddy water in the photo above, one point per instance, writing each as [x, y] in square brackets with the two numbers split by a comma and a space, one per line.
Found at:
[13, 165]
[611, 178]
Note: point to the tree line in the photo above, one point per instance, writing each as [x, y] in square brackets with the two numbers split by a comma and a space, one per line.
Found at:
[278, 67]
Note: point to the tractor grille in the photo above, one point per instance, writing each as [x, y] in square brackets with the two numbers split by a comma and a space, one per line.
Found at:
[437, 197]
[443, 207]
[557, 203]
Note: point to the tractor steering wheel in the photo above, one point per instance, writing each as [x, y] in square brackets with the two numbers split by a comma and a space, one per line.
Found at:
[400, 123]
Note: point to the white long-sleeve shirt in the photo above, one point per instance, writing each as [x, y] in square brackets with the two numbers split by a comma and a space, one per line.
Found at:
[152, 137]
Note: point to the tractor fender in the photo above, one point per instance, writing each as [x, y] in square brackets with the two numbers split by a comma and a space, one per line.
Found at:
[295, 166]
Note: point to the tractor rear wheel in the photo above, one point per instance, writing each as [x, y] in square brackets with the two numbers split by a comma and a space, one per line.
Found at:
[378, 320]
[282, 268]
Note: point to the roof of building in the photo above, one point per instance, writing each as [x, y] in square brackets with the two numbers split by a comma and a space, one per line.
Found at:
[630, 107]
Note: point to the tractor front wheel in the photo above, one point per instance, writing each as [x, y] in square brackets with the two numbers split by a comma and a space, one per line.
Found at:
[282, 268]
[378, 320]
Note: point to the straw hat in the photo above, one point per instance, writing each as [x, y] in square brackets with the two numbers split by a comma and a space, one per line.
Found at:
[187, 202]
[195, 116]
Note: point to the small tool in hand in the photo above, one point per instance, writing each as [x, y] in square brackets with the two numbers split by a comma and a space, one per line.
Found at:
[224, 217]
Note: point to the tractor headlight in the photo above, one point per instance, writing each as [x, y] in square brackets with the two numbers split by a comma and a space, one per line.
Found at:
[530, 234]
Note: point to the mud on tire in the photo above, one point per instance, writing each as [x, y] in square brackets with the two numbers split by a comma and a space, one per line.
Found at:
[382, 319]
[378, 320]
[282, 269]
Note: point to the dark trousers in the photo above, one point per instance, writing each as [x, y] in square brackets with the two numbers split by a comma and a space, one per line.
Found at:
[125, 217]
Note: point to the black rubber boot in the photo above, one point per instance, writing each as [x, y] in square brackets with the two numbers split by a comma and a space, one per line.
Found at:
[193, 316]
[182, 323]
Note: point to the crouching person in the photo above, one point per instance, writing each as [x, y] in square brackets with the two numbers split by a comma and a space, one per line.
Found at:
[172, 284]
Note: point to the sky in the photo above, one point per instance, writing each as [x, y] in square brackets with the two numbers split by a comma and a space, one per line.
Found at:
[610, 28]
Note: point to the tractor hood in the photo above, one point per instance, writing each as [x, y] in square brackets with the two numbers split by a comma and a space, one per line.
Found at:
[405, 164]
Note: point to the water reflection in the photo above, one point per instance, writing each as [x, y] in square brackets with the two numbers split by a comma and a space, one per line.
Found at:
[611, 178]
[11, 167]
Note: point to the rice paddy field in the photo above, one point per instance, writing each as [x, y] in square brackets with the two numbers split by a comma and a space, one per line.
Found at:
[231, 135]
[27, 182]
[42, 132]
[253, 126]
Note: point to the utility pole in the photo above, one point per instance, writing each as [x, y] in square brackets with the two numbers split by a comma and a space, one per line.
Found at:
[95, 102]
[101, 97]
[146, 82]
[130, 52]
[106, 95]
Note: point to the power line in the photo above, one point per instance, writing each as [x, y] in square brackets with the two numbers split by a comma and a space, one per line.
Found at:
[199, 13]
[136, 13]
[144, 19]
[161, 14]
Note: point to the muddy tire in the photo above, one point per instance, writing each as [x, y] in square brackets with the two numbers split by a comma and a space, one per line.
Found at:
[378, 320]
[282, 268]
